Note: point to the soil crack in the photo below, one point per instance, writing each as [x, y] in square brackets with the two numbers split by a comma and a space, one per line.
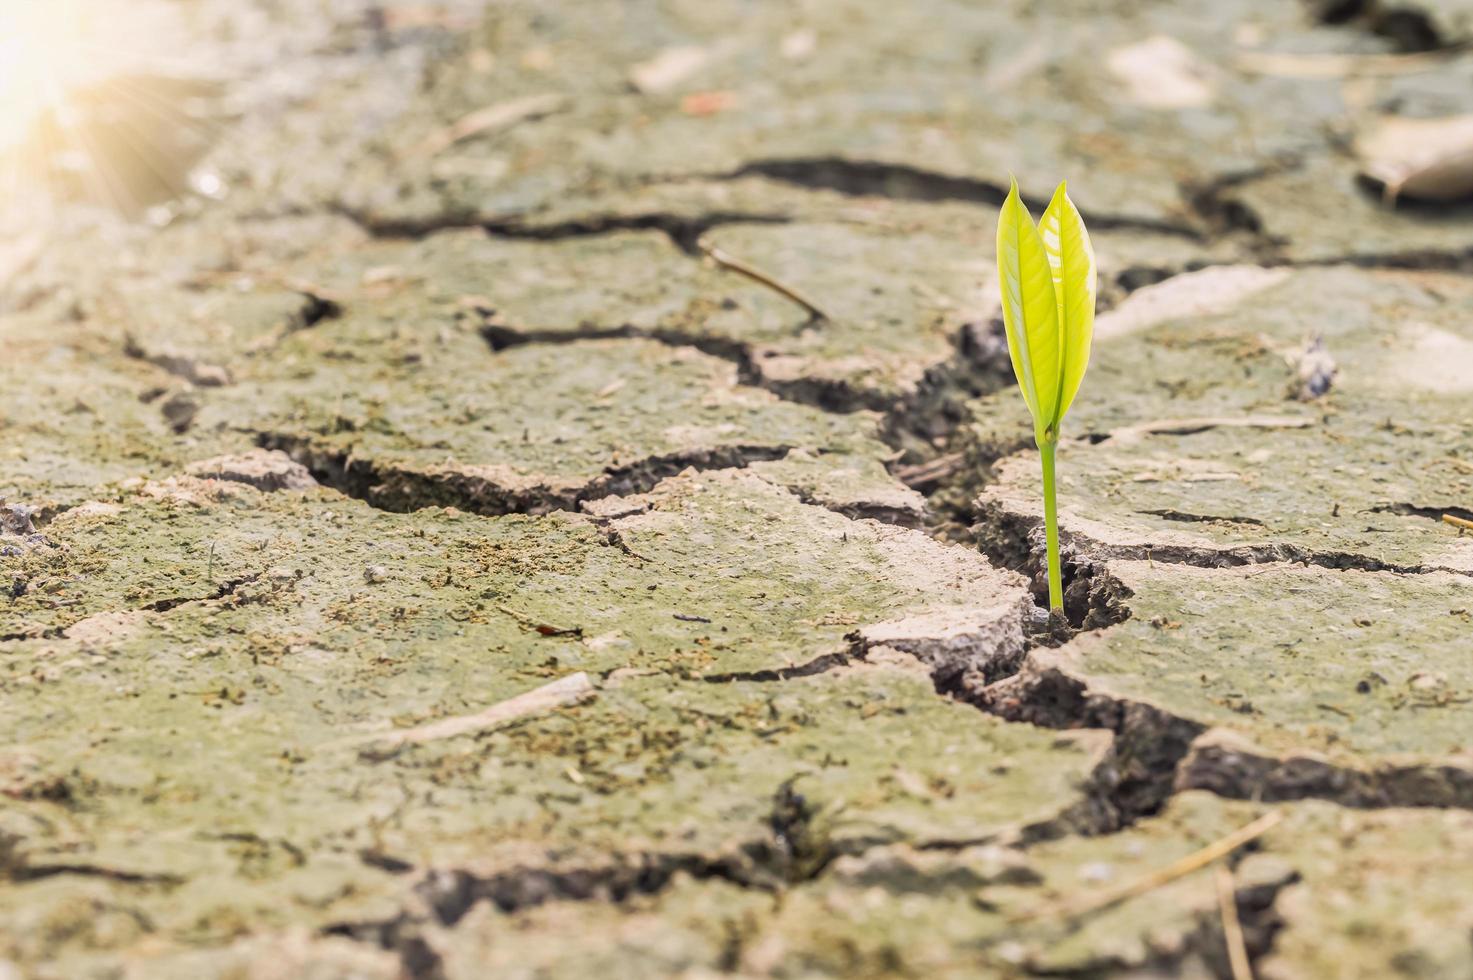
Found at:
[683, 230]
[401, 489]
[225, 589]
[866, 178]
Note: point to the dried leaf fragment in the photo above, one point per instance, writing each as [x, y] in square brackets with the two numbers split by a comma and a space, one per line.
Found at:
[1422, 159]
[667, 69]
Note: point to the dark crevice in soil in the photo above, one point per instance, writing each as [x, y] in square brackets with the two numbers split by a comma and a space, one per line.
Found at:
[796, 848]
[929, 415]
[401, 490]
[1016, 541]
[186, 367]
[1431, 513]
[223, 590]
[204, 373]
[1223, 214]
[922, 425]
[1258, 915]
[863, 510]
[866, 178]
[1159, 753]
[685, 231]
[1150, 744]
[1243, 773]
[818, 665]
[1431, 260]
[1202, 950]
[500, 337]
[162, 605]
[917, 424]
[953, 481]
[15, 867]
[1408, 28]
[1139, 775]
[1258, 919]
[36, 872]
[1186, 518]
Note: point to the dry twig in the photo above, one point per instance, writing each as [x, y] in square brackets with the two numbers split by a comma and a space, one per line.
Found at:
[1232, 929]
[1156, 879]
[488, 120]
[563, 691]
[546, 629]
[931, 472]
[757, 275]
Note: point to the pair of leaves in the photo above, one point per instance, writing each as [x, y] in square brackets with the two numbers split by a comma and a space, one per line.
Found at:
[1047, 276]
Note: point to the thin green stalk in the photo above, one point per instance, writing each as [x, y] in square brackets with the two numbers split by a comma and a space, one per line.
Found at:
[1046, 449]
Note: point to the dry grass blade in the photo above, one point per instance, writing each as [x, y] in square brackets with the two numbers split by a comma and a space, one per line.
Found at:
[1156, 879]
[489, 120]
[1191, 426]
[1456, 521]
[735, 264]
[1232, 928]
[563, 691]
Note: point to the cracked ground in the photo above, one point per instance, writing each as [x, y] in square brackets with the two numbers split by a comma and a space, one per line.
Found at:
[551, 501]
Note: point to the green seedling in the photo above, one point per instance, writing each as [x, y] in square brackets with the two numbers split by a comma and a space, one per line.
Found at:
[1047, 277]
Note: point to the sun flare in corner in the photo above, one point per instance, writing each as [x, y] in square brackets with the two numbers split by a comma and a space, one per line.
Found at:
[91, 107]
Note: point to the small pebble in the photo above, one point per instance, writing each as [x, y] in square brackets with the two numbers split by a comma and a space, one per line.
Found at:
[374, 574]
[1426, 681]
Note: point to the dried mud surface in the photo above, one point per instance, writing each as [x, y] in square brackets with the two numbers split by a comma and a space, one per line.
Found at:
[561, 506]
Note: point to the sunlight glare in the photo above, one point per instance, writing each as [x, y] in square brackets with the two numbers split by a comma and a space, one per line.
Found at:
[44, 54]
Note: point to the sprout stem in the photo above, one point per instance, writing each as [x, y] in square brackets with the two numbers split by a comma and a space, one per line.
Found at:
[1046, 449]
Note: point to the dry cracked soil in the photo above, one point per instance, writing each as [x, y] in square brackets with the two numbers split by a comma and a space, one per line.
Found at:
[552, 501]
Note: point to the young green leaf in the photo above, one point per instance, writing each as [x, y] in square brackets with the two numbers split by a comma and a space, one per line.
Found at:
[1047, 277]
[1073, 262]
[1029, 310]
